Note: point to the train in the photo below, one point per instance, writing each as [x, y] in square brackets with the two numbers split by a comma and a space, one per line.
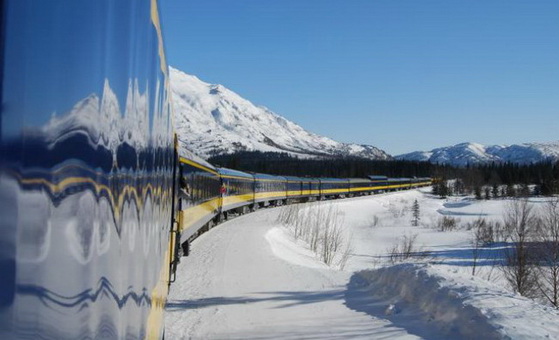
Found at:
[98, 196]
[209, 195]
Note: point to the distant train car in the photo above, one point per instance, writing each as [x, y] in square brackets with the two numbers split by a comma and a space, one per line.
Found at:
[294, 188]
[238, 191]
[87, 170]
[395, 184]
[333, 187]
[269, 189]
[360, 186]
[421, 182]
[311, 188]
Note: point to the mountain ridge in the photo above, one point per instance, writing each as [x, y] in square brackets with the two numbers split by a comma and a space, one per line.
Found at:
[466, 153]
[213, 120]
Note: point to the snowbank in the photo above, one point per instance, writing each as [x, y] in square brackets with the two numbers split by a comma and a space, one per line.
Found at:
[457, 306]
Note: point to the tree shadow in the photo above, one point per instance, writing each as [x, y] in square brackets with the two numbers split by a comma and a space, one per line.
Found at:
[289, 299]
[467, 256]
[458, 213]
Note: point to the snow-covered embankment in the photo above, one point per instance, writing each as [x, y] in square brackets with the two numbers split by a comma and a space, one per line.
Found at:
[455, 305]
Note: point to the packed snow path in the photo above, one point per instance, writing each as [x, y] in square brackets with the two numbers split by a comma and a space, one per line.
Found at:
[233, 286]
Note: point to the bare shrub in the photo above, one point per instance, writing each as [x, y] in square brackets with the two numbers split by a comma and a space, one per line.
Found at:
[447, 223]
[320, 226]
[344, 255]
[482, 236]
[548, 252]
[483, 231]
[376, 220]
[519, 269]
[397, 210]
[405, 249]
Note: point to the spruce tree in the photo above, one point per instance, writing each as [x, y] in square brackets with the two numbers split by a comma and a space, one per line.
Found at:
[415, 212]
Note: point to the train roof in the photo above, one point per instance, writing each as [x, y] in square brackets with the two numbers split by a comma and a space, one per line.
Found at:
[236, 173]
[399, 179]
[269, 177]
[359, 180]
[186, 155]
[295, 179]
[326, 179]
[378, 178]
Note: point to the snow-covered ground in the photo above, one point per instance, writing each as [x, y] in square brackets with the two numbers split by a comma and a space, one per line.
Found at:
[249, 278]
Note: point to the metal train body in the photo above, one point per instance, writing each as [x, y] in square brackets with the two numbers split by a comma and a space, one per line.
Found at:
[86, 170]
[96, 194]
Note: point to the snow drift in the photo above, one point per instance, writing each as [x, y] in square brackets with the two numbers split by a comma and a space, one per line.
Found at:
[457, 306]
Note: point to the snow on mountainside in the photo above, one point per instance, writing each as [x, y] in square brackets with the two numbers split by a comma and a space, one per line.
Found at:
[212, 119]
[473, 153]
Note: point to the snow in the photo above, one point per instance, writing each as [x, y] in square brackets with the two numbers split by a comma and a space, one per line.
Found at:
[474, 153]
[215, 120]
[249, 278]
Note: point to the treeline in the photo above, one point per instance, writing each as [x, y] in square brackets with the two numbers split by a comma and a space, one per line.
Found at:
[544, 175]
[473, 178]
[284, 164]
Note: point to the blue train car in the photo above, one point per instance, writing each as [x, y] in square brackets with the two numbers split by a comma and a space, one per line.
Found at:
[199, 195]
[333, 187]
[294, 187]
[311, 188]
[238, 190]
[360, 186]
[269, 189]
[86, 170]
[395, 184]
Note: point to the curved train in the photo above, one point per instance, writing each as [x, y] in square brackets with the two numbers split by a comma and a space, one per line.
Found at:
[96, 195]
[208, 194]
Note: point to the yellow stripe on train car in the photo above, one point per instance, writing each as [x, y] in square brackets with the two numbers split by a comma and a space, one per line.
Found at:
[269, 194]
[228, 200]
[193, 214]
[334, 191]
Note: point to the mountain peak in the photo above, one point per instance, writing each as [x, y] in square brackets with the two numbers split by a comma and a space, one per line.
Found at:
[212, 120]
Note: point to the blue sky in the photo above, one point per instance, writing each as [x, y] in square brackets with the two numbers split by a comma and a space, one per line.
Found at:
[399, 75]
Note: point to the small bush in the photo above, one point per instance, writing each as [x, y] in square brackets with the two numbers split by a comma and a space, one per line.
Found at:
[405, 249]
[447, 223]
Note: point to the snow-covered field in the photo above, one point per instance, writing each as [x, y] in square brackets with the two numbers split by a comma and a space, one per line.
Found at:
[249, 278]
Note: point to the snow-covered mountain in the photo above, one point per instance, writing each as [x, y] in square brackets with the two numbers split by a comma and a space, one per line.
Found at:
[474, 153]
[212, 119]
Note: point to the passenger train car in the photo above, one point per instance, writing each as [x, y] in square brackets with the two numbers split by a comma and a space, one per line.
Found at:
[98, 197]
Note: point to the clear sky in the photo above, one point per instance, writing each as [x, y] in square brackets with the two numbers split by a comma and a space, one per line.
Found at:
[400, 75]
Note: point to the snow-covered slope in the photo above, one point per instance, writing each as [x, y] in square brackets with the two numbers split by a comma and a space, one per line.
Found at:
[212, 119]
[474, 153]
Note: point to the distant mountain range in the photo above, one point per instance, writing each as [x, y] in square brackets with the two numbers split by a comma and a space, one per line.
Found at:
[213, 120]
[474, 153]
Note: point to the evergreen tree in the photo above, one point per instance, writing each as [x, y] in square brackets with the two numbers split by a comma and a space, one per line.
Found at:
[477, 192]
[415, 214]
[487, 193]
[511, 190]
[495, 190]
